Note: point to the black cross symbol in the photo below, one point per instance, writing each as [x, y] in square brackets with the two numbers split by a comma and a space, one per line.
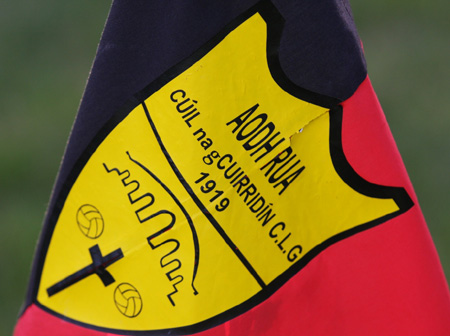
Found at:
[98, 266]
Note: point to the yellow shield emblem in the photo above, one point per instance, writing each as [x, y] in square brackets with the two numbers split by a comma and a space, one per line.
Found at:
[220, 184]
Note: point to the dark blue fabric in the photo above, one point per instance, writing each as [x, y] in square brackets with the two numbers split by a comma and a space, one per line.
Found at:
[320, 51]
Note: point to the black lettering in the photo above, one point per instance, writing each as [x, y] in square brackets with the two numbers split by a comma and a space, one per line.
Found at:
[274, 178]
[240, 119]
[269, 128]
[209, 159]
[179, 105]
[228, 174]
[288, 180]
[265, 217]
[292, 255]
[261, 117]
[236, 177]
[172, 95]
[255, 207]
[186, 115]
[251, 201]
[188, 121]
[280, 244]
[250, 190]
[206, 143]
[276, 161]
[241, 183]
[200, 134]
[268, 146]
[271, 234]
[219, 163]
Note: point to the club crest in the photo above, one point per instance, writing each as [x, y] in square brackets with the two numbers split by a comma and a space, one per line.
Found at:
[220, 183]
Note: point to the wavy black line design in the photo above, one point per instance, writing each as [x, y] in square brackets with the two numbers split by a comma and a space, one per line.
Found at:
[185, 213]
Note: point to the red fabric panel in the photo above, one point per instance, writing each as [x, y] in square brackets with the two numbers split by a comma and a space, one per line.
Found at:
[36, 322]
[384, 281]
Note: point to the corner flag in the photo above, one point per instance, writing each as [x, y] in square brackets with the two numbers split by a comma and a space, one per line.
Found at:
[231, 172]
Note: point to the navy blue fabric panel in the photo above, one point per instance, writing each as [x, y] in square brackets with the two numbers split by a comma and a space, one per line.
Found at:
[320, 51]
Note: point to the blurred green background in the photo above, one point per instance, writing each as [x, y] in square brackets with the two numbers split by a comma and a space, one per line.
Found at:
[46, 51]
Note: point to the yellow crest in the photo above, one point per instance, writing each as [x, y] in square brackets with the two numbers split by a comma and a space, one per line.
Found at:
[215, 189]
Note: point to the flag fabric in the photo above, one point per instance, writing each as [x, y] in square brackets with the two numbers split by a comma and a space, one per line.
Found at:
[231, 172]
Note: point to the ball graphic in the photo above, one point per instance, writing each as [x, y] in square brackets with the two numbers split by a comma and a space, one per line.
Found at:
[128, 300]
[90, 221]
